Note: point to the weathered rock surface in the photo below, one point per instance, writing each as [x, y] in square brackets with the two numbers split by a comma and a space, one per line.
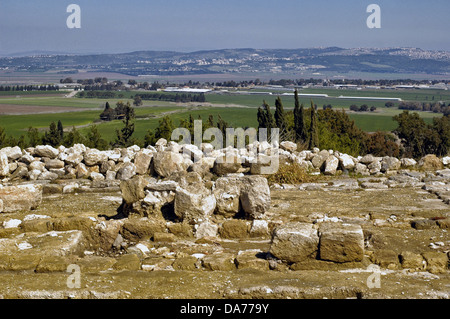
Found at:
[193, 207]
[21, 197]
[255, 196]
[227, 193]
[341, 242]
[294, 242]
[167, 163]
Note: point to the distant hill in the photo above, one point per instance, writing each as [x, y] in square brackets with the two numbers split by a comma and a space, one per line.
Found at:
[245, 61]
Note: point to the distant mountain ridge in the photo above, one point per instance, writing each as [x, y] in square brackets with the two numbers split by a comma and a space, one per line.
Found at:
[245, 60]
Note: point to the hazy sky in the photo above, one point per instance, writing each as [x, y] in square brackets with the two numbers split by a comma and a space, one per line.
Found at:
[109, 26]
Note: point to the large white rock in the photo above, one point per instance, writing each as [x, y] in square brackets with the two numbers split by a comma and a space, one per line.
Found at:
[331, 165]
[255, 196]
[142, 161]
[193, 207]
[288, 146]
[390, 163]
[127, 171]
[46, 151]
[347, 161]
[227, 192]
[21, 197]
[191, 150]
[94, 157]
[4, 166]
[407, 162]
[446, 160]
[165, 163]
[319, 159]
[73, 158]
[206, 229]
[294, 242]
[12, 153]
[37, 165]
[341, 242]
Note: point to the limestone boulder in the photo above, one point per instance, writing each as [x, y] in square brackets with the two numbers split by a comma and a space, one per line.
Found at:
[227, 164]
[346, 161]
[390, 163]
[166, 163]
[46, 151]
[4, 165]
[142, 161]
[319, 159]
[133, 189]
[227, 193]
[192, 206]
[94, 157]
[294, 242]
[255, 196]
[288, 146]
[341, 242]
[21, 197]
[13, 153]
[331, 165]
[408, 162]
[127, 171]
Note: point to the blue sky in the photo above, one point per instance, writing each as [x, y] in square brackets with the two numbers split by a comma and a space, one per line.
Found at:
[110, 26]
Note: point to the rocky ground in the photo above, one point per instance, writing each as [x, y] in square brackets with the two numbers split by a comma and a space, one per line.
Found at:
[404, 233]
[169, 222]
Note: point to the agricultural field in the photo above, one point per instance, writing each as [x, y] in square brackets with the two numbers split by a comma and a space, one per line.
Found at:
[20, 111]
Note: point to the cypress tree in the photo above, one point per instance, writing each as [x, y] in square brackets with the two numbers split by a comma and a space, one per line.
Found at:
[261, 118]
[60, 131]
[269, 119]
[52, 136]
[314, 129]
[280, 117]
[299, 121]
[221, 125]
[210, 121]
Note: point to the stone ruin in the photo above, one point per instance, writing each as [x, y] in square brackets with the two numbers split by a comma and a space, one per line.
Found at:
[171, 192]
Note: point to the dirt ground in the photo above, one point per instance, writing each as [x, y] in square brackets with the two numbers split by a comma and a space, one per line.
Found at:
[384, 214]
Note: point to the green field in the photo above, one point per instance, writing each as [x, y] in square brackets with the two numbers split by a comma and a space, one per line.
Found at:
[237, 117]
[236, 109]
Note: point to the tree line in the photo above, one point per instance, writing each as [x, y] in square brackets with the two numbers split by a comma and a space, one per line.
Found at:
[309, 127]
[333, 129]
[22, 88]
[436, 107]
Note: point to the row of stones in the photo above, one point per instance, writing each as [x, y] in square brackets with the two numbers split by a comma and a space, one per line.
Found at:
[295, 242]
[45, 162]
[435, 181]
[433, 262]
[292, 244]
